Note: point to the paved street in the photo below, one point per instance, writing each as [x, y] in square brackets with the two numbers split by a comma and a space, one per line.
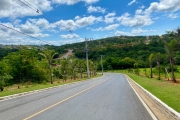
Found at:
[106, 98]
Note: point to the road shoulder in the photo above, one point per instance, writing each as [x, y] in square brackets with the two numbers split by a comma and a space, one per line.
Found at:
[159, 112]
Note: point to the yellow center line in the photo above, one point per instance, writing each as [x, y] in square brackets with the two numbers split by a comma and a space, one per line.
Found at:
[62, 101]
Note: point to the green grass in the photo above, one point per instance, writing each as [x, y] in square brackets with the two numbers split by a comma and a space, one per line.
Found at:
[167, 91]
[25, 87]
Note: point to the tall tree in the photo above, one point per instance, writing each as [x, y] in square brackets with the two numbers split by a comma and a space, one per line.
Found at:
[49, 54]
[81, 66]
[157, 58]
[64, 68]
[150, 63]
[170, 47]
[74, 64]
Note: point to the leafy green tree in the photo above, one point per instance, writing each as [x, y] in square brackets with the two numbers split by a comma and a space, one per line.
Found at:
[81, 66]
[73, 67]
[127, 62]
[23, 66]
[49, 54]
[94, 69]
[151, 57]
[91, 67]
[170, 47]
[57, 73]
[157, 58]
[4, 76]
[64, 69]
[136, 68]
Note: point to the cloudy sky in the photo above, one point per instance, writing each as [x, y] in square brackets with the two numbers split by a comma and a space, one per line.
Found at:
[60, 22]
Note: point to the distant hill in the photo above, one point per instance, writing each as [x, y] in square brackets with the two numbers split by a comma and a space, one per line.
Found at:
[122, 46]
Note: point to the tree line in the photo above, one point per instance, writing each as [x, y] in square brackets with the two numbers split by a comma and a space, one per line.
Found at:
[40, 63]
[38, 66]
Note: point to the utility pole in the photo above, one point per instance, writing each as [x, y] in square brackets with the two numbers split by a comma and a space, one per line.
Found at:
[102, 64]
[87, 63]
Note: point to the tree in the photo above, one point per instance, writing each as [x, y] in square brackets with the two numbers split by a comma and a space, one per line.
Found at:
[49, 54]
[169, 48]
[64, 68]
[81, 66]
[73, 67]
[157, 58]
[136, 68]
[4, 76]
[127, 62]
[150, 63]
[91, 67]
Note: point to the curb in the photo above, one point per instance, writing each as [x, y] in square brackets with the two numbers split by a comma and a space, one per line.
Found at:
[40, 90]
[170, 111]
[32, 92]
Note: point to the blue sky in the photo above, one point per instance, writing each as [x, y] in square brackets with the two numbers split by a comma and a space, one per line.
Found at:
[68, 21]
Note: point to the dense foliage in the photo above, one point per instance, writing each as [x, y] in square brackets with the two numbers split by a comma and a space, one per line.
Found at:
[27, 64]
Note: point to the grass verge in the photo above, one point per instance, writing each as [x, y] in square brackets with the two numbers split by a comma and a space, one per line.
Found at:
[167, 91]
[26, 87]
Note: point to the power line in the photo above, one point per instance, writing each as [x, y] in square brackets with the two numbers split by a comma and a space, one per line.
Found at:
[23, 33]
[39, 12]
[29, 5]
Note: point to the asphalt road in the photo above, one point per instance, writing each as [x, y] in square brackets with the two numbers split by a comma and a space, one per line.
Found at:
[106, 98]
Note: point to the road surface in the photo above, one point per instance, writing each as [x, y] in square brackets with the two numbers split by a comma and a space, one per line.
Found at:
[66, 55]
[106, 98]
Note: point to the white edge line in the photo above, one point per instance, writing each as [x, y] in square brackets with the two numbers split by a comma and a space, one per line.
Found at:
[168, 109]
[142, 101]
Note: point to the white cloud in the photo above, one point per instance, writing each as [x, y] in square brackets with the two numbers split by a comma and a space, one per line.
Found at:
[133, 1]
[32, 29]
[173, 15]
[9, 36]
[14, 8]
[66, 25]
[108, 28]
[119, 33]
[110, 17]
[77, 23]
[91, 9]
[29, 28]
[112, 27]
[142, 7]
[138, 31]
[139, 12]
[136, 21]
[133, 32]
[82, 22]
[43, 23]
[70, 36]
[164, 6]
[143, 18]
[72, 2]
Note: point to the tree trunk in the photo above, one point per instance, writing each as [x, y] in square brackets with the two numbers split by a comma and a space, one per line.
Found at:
[151, 71]
[81, 74]
[2, 88]
[74, 75]
[165, 73]
[51, 74]
[172, 69]
[145, 71]
[159, 77]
